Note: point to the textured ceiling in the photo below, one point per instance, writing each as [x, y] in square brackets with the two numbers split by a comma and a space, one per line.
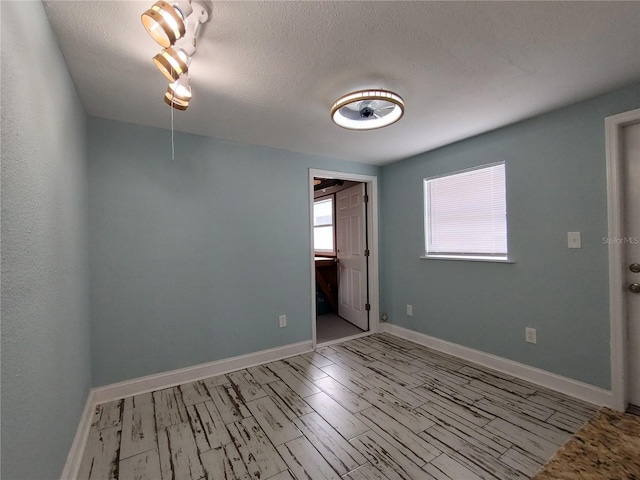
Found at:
[266, 73]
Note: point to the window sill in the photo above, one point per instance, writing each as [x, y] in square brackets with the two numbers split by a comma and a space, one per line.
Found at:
[467, 259]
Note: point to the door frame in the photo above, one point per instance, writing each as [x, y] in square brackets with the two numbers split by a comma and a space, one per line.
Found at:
[372, 232]
[615, 212]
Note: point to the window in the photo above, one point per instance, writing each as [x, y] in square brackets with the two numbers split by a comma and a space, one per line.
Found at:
[466, 214]
[323, 225]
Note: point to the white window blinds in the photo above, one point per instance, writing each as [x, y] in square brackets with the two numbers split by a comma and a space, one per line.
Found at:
[466, 214]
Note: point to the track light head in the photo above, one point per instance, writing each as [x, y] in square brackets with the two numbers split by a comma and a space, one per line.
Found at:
[179, 93]
[166, 22]
[172, 62]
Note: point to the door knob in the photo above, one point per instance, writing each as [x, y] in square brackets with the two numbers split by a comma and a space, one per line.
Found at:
[634, 288]
[635, 267]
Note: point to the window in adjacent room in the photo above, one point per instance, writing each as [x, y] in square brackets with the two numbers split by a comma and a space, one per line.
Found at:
[465, 214]
[323, 225]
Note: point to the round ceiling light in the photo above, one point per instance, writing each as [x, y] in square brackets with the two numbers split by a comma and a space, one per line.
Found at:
[367, 109]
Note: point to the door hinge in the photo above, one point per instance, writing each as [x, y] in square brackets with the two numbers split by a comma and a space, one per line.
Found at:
[366, 253]
[366, 199]
[367, 307]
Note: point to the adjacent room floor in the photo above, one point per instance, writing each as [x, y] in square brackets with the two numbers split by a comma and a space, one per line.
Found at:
[378, 407]
[330, 326]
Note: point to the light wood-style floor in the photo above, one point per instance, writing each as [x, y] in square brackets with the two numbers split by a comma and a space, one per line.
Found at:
[375, 408]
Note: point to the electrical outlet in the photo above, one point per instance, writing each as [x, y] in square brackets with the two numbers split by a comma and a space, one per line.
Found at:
[283, 321]
[410, 310]
[573, 240]
[530, 335]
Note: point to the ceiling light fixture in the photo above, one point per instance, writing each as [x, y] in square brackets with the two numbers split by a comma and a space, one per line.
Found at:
[168, 23]
[179, 93]
[173, 62]
[165, 22]
[367, 109]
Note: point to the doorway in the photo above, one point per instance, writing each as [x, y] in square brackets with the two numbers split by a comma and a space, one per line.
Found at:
[344, 255]
[623, 185]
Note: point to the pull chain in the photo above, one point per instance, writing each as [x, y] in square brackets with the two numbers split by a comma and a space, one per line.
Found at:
[173, 147]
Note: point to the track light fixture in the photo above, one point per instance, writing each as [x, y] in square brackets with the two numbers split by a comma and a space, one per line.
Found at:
[175, 26]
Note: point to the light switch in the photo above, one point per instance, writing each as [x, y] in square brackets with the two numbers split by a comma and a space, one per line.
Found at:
[573, 239]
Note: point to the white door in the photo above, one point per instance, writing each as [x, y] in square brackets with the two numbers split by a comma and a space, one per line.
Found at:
[631, 240]
[352, 263]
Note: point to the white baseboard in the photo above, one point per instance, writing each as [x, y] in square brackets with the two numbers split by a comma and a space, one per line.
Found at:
[171, 378]
[74, 458]
[568, 386]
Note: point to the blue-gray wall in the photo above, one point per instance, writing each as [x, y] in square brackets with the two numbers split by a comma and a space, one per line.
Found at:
[194, 259]
[45, 309]
[556, 183]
